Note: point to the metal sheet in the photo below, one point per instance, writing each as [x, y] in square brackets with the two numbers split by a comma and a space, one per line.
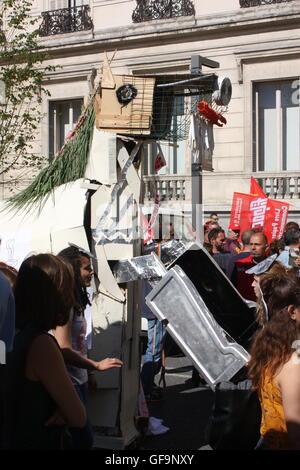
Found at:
[222, 299]
[263, 266]
[141, 267]
[169, 250]
[213, 352]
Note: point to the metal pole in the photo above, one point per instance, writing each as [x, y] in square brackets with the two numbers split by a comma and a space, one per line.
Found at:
[196, 171]
[197, 212]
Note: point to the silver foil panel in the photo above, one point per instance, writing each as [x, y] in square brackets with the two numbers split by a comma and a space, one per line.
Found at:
[263, 266]
[212, 351]
[169, 250]
[141, 267]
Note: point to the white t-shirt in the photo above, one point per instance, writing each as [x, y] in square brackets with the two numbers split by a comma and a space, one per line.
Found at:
[78, 375]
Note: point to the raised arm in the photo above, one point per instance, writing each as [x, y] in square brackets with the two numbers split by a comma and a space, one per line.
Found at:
[63, 336]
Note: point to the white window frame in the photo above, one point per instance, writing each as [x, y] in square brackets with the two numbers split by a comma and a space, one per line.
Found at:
[60, 4]
[279, 123]
[57, 144]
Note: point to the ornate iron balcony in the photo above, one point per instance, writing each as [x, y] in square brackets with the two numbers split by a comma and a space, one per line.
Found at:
[147, 10]
[255, 3]
[66, 20]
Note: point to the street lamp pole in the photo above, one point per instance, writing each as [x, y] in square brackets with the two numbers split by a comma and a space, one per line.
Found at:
[197, 211]
[196, 167]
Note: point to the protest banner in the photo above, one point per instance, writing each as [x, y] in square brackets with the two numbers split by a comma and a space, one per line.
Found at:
[255, 212]
[255, 189]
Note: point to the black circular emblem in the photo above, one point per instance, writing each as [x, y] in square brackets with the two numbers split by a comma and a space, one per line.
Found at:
[126, 93]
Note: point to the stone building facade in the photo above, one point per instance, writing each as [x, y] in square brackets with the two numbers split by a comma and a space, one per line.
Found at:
[256, 43]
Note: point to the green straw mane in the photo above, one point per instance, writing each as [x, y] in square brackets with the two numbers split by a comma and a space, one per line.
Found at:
[68, 165]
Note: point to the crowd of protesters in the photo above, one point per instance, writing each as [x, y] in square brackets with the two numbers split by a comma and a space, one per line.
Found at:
[44, 383]
[274, 364]
[45, 378]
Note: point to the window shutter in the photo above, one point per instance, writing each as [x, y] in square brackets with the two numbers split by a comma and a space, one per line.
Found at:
[58, 4]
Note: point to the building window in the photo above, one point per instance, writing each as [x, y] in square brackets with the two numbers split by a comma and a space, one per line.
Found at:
[147, 10]
[59, 4]
[63, 116]
[255, 3]
[276, 126]
[65, 16]
[174, 149]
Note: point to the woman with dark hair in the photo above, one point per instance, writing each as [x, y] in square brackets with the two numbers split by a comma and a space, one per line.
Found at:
[9, 272]
[291, 226]
[274, 367]
[71, 338]
[40, 397]
[269, 298]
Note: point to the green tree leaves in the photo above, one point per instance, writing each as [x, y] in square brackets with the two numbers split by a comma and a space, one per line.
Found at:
[22, 75]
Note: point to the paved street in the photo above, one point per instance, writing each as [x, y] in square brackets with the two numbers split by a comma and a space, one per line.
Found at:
[184, 410]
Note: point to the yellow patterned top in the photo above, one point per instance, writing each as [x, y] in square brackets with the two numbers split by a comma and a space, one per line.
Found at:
[273, 426]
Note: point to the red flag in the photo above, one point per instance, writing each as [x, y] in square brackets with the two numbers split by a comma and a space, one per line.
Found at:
[276, 219]
[160, 161]
[255, 189]
[250, 212]
[240, 217]
[148, 231]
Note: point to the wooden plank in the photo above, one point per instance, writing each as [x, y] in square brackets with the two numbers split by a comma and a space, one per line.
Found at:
[111, 123]
[107, 80]
[125, 118]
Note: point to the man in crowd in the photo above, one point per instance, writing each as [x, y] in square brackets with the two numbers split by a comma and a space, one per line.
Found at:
[289, 256]
[291, 226]
[169, 233]
[213, 217]
[231, 241]
[244, 253]
[207, 228]
[216, 238]
[258, 252]
[153, 355]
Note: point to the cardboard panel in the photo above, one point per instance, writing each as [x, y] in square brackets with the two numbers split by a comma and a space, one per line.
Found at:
[132, 177]
[106, 276]
[107, 337]
[23, 233]
[132, 118]
[102, 163]
[103, 406]
[60, 239]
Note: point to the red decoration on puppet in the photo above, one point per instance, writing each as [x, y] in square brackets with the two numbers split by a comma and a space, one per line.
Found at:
[210, 113]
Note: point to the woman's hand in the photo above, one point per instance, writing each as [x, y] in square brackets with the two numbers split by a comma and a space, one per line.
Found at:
[108, 363]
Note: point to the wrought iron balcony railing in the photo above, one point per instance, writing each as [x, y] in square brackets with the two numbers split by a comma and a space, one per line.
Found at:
[147, 10]
[66, 20]
[255, 3]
